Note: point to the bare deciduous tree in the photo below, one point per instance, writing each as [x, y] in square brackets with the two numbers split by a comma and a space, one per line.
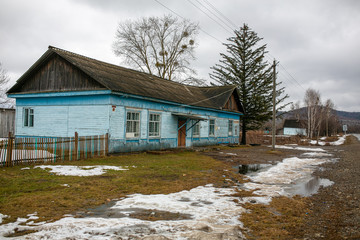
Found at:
[328, 112]
[163, 46]
[4, 80]
[313, 105]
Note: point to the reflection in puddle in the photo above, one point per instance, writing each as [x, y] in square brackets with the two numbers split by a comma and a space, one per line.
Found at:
[106, 211]
[310, 187]
[249, 168]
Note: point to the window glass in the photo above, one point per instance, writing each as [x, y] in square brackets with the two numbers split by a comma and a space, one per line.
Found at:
[154, 125]
[212, 127]
[132, 124]
[196, 129]
[230, 127]
[28, 117]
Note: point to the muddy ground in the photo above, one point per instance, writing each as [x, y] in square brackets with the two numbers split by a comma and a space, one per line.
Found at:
[335, 210]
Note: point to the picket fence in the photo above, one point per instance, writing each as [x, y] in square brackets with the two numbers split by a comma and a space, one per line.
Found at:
[30, 150]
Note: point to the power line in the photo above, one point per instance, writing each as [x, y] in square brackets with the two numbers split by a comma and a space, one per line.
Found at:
[185, 19]
[208, 16]
[214, 14]
[232, 23]
[291, 76]
[220, 13]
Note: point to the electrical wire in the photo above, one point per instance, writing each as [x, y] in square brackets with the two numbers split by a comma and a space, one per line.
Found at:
[289, 79]
[185, 19]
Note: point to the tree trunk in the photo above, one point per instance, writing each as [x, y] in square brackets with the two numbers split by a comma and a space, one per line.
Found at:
[243, 135]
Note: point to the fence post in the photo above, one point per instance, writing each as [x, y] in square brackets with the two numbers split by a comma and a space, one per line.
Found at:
[76, 145]
[9, 151]
[106, 144]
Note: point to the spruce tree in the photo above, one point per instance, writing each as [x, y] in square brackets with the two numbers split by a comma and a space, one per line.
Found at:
[244, 65]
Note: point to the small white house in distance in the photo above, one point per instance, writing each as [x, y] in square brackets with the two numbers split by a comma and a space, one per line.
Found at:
[294, 127]
[64, 92]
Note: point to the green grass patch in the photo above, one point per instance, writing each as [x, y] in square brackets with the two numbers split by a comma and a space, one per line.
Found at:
[24, 192]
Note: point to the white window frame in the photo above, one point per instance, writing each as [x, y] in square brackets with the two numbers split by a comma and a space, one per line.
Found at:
[196, 130]
[28, 117]
[231, 127]
[153, 131]
[132, 124]
[211, 128]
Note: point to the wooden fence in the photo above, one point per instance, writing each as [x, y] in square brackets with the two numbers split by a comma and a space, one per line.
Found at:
[29, 150]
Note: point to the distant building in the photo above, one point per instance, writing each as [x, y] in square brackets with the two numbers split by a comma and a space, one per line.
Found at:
[7, 121]
[294, 127]
[64, 92]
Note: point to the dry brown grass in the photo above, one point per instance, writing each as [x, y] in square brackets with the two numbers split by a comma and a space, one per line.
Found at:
[258, 137]
[283, 218]
[27, 191]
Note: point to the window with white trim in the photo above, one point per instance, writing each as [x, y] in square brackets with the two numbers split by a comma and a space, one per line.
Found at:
[154, 125]
[196, 130]
[28, 117]
[231, 124]
[212, 127]
[132, 124]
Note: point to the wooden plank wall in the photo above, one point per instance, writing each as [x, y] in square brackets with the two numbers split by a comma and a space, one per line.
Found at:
[58, 75]
[7, 121]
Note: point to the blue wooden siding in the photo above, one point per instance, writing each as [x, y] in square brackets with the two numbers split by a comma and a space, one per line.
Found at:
[99, 112]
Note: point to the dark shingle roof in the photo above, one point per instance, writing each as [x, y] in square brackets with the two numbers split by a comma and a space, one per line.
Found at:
[124, 80]
[293, 123]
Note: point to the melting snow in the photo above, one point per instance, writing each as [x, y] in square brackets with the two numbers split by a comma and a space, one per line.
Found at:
[300, 148]
[340, 141]
[2, 216]
[82, 171]
[213, 213]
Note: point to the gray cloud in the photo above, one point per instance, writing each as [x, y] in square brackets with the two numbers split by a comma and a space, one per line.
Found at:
[316, 41]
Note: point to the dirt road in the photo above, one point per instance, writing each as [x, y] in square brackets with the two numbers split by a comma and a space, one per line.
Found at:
[335, 210]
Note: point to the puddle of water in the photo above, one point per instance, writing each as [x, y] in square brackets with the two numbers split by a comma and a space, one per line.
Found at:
[250, 168]
[106, 211]
[310, 187]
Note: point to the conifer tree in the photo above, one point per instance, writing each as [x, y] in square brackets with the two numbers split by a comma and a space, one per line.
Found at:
[244, 65]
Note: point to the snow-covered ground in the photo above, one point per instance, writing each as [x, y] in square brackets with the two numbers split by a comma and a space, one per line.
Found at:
[20, 153]
[357, 135]
[79, 170]
[340, 141]
[211, 213]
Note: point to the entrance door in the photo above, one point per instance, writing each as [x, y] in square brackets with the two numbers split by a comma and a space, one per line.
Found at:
[182, 133]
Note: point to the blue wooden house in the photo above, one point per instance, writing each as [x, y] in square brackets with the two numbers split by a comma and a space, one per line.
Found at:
[64, 92]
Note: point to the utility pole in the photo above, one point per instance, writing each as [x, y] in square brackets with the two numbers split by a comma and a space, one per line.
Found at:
[274, 106]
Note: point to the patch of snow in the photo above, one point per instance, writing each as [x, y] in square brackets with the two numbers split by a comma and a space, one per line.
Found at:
[213, 213]
[338, 142]
[2, 216]
[357, 135]
[20, 153]
[275, 180]
[300, 148]
[81, 171]
[25, 168]
[258, 200]
[65, 185]
[233, 154]
[317, 154]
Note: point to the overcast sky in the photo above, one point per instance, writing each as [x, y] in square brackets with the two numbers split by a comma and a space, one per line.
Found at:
[317, 42]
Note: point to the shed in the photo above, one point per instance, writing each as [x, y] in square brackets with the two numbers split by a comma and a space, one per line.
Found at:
[64, 92]
[294, 127]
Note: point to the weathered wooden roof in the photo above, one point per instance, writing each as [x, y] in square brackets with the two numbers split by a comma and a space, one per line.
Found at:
[128, 81]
